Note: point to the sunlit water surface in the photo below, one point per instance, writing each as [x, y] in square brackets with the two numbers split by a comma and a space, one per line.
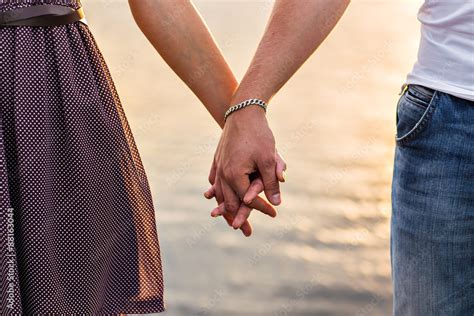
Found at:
[327, 253]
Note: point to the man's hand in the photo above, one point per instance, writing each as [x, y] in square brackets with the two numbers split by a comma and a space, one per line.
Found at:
[295, 30]
[246, 146]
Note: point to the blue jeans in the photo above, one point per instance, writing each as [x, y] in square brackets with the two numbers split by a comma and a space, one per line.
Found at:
[432, 225]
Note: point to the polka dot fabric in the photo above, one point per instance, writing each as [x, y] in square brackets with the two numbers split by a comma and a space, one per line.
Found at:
[77, 222]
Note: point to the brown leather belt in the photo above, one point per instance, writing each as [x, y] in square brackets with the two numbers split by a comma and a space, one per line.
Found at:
[41, 15]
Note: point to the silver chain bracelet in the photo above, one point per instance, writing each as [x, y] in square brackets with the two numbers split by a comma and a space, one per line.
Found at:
[243, 104]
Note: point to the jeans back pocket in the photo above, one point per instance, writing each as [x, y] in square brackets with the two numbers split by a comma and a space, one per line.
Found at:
[414, 110]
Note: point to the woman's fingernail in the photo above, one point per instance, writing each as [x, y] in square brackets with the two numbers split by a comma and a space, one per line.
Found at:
[283, 174]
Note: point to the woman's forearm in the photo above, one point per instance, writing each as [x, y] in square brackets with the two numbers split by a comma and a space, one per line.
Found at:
[295, 29]
[178, 33]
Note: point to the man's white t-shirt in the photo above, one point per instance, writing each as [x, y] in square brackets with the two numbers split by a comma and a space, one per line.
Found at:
[446, 53]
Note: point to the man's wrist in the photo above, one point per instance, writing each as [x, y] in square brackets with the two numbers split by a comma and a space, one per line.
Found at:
[248, 113]
[245, 104]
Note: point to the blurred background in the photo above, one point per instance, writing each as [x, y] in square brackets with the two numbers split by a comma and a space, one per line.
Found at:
[327, 253]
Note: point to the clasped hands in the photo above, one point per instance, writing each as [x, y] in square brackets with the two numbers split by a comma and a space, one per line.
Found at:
[245, 164]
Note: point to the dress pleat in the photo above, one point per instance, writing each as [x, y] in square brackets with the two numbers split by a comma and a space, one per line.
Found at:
[78, 228]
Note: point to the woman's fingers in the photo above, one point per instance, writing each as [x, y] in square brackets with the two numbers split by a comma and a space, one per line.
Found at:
[235, 211]
[280, 167]
[228, 218]
[242, 214]
[251, 195]
[246, 228]
[256, 187]
[218, 191]
[244, 211]
[218, 211]
[231, 199]
[213, 171]
[252, 199]
[263, 206]
[210, 193]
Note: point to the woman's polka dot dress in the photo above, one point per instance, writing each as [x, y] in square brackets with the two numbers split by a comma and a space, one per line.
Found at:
[77, 222]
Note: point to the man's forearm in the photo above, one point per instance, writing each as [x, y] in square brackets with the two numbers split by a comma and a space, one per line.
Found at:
[180, 36]
[295, 30]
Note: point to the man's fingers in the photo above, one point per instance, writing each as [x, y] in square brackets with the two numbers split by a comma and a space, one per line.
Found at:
[256, 187]
[271, 185]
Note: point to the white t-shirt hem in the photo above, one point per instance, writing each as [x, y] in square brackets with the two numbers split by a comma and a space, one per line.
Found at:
[441, 86]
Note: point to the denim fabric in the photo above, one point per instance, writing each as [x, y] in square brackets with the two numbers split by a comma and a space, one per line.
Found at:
[432, 225]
